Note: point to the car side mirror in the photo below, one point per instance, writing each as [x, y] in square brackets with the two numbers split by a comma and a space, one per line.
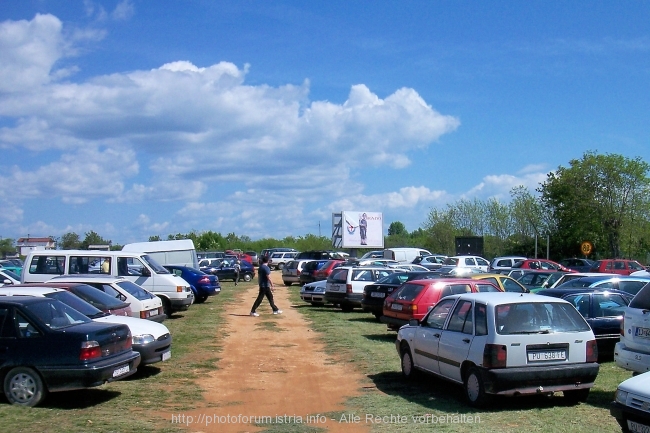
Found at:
[146, 272]
[7, 281]
[414, 322]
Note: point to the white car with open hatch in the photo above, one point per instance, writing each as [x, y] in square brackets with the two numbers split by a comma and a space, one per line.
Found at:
[505, 344]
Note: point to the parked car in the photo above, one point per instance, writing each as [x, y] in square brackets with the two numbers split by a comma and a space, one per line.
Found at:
[457, 271]
[7, 277]
[568, 276]
[603, 310]
[474, 262]
[377, 254]
[431, 262]
[11, 266]
[415, 298]
[631, 405]
[279, 259]
[582, 282]
[503, 344]
[324, 271]
[150, 339]
[541, 264]
[504, 282]
[535, 280]
[226, 270]
[291, 271]
[410, 267]
[143, 303]
[307, 275]
[632, 352]
[617, 266]
[96, 298]
[346, 283]
[269, 251]
[578, 265]
[375, 294]
[50, 347]
[314, 292]
[203, 285]
[625, 283]
[255, 258]
[505, 263]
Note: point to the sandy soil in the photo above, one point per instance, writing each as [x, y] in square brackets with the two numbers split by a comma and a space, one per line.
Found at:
[274, 366]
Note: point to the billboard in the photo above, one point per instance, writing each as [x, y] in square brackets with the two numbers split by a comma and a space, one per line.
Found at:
[361, 229]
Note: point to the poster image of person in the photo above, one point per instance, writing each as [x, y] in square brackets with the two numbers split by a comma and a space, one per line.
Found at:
[363, 228]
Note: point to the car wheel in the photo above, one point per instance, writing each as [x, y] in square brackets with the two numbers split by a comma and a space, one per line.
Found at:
[24, 387]
[167, 307]
[280, 266]
[576, 396]
[474, 388]
[408, 369]
[287, 283]
[347, 308]
[200, 299]
[377, 315]
[248, 277]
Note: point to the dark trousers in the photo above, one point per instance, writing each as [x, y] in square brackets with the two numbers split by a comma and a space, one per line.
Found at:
[236, 278]
[264, 291]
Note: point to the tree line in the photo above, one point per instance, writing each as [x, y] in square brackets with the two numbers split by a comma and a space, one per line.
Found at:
[603, 199]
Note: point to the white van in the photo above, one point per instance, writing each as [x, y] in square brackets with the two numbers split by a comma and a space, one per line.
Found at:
[405, 255]
[140, 268]
[180, 252]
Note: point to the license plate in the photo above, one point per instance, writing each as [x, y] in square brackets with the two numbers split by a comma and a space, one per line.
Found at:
[151, 313]
[166, 355]
[121, 371]
[396, 307]
[635, 427]
[377, 294]
[642, 332]
[547, 355]
[337, 288]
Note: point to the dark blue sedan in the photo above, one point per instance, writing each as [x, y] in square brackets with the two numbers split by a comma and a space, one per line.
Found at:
[48, 346]
[226, 270]
[203, 285]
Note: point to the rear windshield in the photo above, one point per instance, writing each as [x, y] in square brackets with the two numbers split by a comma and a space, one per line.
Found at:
[96, 297]
[339, 276]
[409, 291]
[538, 318]
[136, 291]
[642, 299]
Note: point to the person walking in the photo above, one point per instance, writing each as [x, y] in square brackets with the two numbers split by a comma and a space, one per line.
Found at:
[265, 286]
[237, 267]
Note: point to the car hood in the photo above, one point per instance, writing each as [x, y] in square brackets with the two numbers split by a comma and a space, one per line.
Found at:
[137, 326]
[639, 385]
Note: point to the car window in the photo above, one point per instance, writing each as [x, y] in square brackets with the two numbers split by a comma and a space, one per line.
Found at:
[47, 265]
[642, 299]
[631, 287]
[6, 328]
[409, 291]
[608, 305]
[538, 317]
[339, 276]
[458, 322]
[480, 315]
[362, 275]
[56, 315]
[581, 303]
[26, 328]
[438, 315]
[469, 261]
[382, 274]
[482, 262]
[486, 288]
[511, 286]
[635, 266]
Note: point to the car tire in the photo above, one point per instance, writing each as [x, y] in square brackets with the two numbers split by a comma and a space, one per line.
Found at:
[576, 396]
[247, 278]
[167, 306]
[24, 387]
[408, 368]
[347, 308]
[280, 266]
[474, 388]
[377, 315]
[200, 299]
[287, 283]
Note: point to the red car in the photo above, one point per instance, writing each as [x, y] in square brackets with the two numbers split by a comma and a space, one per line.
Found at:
[617, 266]
[414, 299]
[541, 264]
[324, 271]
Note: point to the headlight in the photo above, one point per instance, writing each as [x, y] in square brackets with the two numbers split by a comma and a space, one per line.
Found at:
[621, 396]
[143, 339]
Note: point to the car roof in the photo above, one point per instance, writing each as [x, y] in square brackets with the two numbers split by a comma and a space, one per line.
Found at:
[28, 290]
[81, 278]
[499, 298]
[23, 300]
[559, 292]
[624, 278]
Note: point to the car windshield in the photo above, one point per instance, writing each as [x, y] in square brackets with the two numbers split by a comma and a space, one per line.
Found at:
[96, 297]
[409, 291]
[11, 274]
[154, 264]
[538, 318]
[77, 303]
[136, 291]
[394, 278]
[56, 314]
[642, 298]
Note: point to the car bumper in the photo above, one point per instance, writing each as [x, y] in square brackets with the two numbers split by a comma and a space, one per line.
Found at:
[157, 351]
[67, 378]
[373, 305]
[393, 322]
[626, 414]
[207, 290]
[630, 360]
[539, 380]
[182, 304]
[313, 297]
[347, 299]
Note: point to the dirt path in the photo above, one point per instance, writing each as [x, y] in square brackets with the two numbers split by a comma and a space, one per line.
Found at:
[274, 369]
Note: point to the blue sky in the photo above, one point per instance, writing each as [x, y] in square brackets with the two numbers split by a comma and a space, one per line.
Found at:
[138, 118]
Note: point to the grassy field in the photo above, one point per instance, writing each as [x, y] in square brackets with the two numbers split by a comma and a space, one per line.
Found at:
[365, 345]
[143, 403]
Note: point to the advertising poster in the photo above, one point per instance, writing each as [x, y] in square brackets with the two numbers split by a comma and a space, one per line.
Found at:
[362, 229]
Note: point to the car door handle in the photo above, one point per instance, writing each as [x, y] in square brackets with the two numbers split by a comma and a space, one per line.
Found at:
[466, 340]
[436, 335]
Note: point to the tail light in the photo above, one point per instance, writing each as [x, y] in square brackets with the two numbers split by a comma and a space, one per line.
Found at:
[622, 327]
[592, 351]
[348, 288]
[90, 350]
[495, 356]
[204, 280]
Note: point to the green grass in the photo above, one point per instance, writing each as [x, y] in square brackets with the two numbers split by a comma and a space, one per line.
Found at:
[145, 401]
[359, 340]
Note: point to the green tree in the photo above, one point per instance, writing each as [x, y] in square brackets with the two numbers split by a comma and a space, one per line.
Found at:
[597, 198]
[93, 238]
[69, 241]
[7, 247]
[397, 228]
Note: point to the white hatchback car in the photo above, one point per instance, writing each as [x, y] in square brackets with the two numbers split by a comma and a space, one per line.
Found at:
[345, 284]
[144, 304]
[631, 405]
[503, 343]
[632, 352]
[475, 262]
